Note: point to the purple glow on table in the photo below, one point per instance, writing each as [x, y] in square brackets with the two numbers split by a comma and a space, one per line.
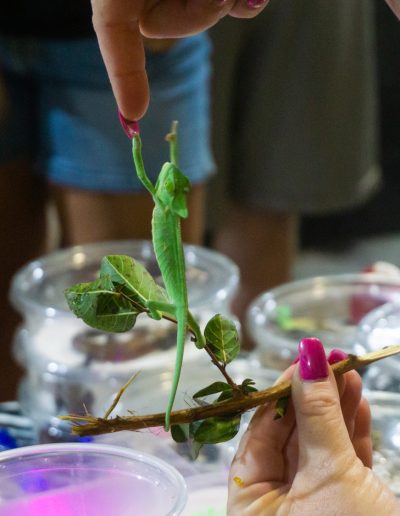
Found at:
[116, 495]
[80, 479]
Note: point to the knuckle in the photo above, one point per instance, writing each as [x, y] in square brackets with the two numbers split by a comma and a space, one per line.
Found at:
[318, 402]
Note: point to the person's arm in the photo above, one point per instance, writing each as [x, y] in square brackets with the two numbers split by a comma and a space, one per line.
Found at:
[120, 25]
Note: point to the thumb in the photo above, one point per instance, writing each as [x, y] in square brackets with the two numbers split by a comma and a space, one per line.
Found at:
[323, 438]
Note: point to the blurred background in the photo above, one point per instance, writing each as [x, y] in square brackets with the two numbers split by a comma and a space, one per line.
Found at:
[351, 239]
[320, 107]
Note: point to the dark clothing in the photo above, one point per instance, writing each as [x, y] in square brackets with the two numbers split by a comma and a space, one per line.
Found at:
[46, 18]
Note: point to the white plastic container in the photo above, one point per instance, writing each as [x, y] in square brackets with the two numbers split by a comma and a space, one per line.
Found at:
[87, 480]
[378, 329]
[385, 412]
[150, 393]
[327, 307]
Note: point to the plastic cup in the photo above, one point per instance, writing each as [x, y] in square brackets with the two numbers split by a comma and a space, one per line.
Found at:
[327, 307]
[87, 480]
[379, 329]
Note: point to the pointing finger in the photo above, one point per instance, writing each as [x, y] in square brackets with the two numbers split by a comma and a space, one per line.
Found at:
[116, 23]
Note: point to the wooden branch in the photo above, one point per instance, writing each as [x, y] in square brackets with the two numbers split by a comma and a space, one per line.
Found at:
[90, 425]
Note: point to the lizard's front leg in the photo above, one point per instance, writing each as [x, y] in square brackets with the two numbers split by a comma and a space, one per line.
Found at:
[156, 309]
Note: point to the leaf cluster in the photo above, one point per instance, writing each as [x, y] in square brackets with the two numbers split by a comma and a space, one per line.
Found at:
[112, 302]
[223, 342]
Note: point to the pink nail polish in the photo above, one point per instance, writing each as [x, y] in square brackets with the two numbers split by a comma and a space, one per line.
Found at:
[130, 128]
[336, 355]
[255, 4]
[312, 363]
[295, 360]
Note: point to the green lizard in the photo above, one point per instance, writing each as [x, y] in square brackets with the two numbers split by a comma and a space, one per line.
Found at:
[169, 195]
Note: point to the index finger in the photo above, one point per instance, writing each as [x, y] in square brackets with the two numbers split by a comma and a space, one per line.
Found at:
[116, 23]
[395, 6]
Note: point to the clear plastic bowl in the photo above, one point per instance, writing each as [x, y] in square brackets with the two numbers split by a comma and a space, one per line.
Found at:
[327, 307]
[37, 290]
[56, 340]
[148, 393]
[86, 480]
[378, 329]
[151, 395]
[385, 412]
[66, 362]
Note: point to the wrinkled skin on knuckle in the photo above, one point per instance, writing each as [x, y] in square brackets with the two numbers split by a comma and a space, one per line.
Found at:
[319, 402]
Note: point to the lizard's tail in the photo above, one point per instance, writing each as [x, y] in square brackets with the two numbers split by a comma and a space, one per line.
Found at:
[182, 320]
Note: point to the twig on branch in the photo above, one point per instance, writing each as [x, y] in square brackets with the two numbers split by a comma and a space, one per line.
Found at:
[90, 425]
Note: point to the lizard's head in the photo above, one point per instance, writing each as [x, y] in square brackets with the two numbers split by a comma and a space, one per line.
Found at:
[172, 188]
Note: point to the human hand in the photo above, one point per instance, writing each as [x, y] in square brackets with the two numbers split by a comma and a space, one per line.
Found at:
[395, 6]
[120, 25]
[316, 459]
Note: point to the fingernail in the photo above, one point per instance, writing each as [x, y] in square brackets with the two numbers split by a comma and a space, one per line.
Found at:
[337, 355]
[312, 363]
[130, 128]
[254, 4]
[295, 360]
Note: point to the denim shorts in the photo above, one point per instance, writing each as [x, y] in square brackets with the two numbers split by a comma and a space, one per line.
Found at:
[61, 114]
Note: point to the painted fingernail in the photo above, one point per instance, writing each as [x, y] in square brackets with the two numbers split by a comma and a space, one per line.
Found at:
[255, 4]
[336, 355]
[130, 128]
[312, 363]
[295, 360]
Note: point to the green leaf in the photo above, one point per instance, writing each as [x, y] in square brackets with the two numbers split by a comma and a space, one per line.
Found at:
[132, 279]
[223, 338]
[226, 395]
[214, 388]
[248, 381]
[248, 386]
[217, 430]
[281, 407]
[100, 306]
[194, 449]
[180, 433]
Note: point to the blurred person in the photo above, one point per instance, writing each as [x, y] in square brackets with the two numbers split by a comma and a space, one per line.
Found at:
[294, 131]
[376, 222]
[60, 138]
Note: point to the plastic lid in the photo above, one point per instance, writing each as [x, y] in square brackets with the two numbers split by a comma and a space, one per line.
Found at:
[39, 286]
[327, 307]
